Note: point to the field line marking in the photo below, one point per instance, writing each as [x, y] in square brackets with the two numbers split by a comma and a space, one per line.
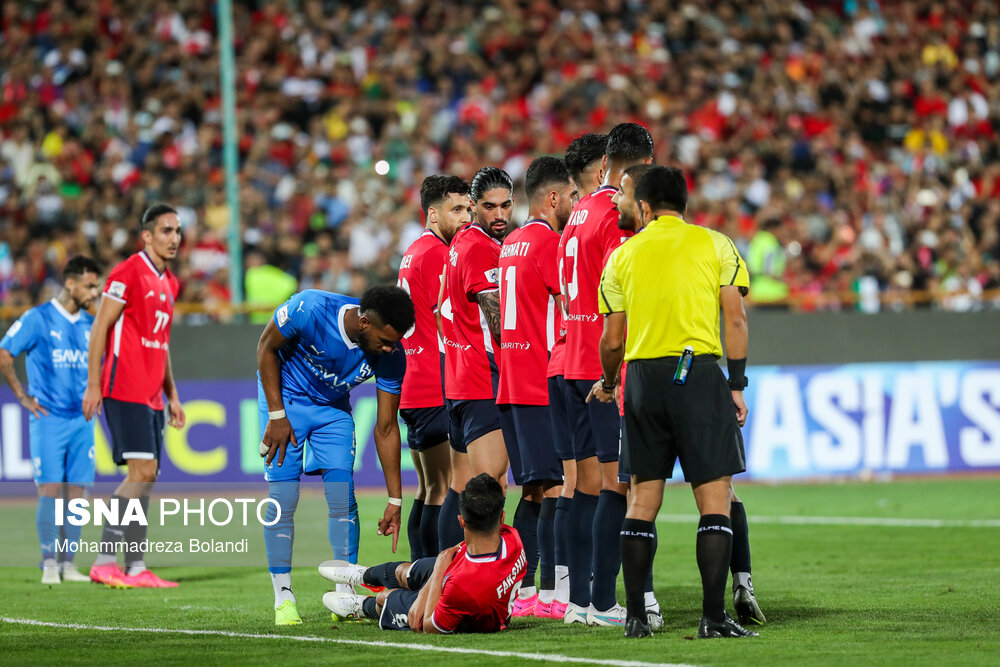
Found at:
[849, 521]
[547, 657]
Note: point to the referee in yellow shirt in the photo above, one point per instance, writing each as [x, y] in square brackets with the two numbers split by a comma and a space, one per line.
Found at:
[668, 283]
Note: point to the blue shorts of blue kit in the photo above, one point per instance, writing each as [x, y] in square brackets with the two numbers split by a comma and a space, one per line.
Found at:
[324, 433]
[62, 449]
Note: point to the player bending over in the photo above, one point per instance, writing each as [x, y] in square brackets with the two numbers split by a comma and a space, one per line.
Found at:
[467, 588]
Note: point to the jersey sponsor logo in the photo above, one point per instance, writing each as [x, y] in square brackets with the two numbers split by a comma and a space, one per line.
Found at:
[117, 289]
[415, 350]
[573, 317]
[523, 347]
[69, 358]
[511, 578]
[492, 276]
[14, 328]
[154, 344]
[150, 293]
[56, 334]
[455, 344]
[283, 315]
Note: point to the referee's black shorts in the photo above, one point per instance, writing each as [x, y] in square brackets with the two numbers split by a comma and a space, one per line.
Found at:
[694, 422]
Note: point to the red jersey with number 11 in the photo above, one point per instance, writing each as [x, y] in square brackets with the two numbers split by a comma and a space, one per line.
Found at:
[529, 284]
[135, 353]
[590, 234]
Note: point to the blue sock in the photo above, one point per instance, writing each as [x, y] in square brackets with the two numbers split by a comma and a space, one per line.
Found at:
[608, 518]
[526, 525]
[450, 530]
[560, 529]
[71, 534]
[581, 547]
[45, 521]
[342, 524]
[546, 545]
[278, 538]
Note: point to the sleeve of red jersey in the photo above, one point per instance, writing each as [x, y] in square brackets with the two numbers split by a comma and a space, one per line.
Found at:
[448, 611]
[479, 270]
[548, 265]
[116, 287]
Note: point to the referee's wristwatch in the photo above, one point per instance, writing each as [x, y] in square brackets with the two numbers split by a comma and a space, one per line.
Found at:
[610, 388]
[738, 384]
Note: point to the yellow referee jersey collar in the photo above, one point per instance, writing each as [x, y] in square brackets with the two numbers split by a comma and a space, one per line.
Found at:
[666, 220]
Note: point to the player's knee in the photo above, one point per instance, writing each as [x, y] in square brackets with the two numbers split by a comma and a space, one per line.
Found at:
[141, 473]
[50, 490]
[380, 599]
[401, 571]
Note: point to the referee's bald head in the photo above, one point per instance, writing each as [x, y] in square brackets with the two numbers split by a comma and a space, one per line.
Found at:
[662, 189]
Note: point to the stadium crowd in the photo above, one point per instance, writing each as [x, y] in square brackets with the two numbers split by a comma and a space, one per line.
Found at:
[850, 148]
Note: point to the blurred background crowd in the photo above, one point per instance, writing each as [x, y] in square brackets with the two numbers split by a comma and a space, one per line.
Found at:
[850, 148]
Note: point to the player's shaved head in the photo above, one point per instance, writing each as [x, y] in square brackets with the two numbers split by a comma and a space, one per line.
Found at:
[481, 503]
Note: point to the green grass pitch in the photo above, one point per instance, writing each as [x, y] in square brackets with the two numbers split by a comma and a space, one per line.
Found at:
[834, 592]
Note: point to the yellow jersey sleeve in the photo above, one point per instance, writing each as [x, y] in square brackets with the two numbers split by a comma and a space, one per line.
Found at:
[732, 267]
[610, 298]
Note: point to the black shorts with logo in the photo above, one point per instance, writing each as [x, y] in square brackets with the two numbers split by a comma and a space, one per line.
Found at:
[425, 427]
[136, 430]
[694, 422]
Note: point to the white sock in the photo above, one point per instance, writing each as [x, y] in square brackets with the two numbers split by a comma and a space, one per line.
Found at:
[651, 602]
[136, 568]
[526, 592]
[562, 583]
[742, 579]
[546, 597]
[50, 562]
[282, 588]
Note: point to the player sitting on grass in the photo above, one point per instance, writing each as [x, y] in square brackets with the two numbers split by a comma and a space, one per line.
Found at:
[467, 588]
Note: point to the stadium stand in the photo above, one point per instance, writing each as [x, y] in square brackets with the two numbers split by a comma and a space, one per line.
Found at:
[850, 148]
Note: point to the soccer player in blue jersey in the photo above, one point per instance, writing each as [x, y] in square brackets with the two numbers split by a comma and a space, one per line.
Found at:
[55, 335]
[314, 350]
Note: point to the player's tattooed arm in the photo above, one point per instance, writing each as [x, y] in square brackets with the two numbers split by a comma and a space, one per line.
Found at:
[489, 303]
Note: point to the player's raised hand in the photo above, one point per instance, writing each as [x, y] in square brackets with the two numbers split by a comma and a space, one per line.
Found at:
[91, 402]
[176, 411]
[31, 404]
[389, 523]
[277, 434]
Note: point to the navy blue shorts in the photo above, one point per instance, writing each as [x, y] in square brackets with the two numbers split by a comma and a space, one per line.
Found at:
[527, 433]
[624, 474]
[136, 430]
[561, 436]
[396, 610]
[425, 427]
[471, 420]
[595, 425]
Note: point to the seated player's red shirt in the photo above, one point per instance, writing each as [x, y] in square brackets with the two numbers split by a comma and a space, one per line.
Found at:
[477, 590]
[135, 353]
[420, 275]
[590, 235]
[468, 345]
[529, 285]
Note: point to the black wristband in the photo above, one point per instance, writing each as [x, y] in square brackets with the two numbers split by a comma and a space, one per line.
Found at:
[737, 373]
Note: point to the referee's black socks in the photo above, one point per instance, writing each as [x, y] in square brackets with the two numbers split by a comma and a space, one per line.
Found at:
[638, 545]
[714, 548]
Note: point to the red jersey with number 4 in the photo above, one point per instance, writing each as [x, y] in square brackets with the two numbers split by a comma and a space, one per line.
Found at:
[529, 284]
[420, 275]
[468, 344]
[135, 353]
[590, 234]
[477, 590]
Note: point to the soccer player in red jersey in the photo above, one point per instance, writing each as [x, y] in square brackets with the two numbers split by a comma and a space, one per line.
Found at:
[529, 300]
[598, 506]
[131, 332]
[447, 208]
[471, 321]
[466, 588]
[585, 161]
